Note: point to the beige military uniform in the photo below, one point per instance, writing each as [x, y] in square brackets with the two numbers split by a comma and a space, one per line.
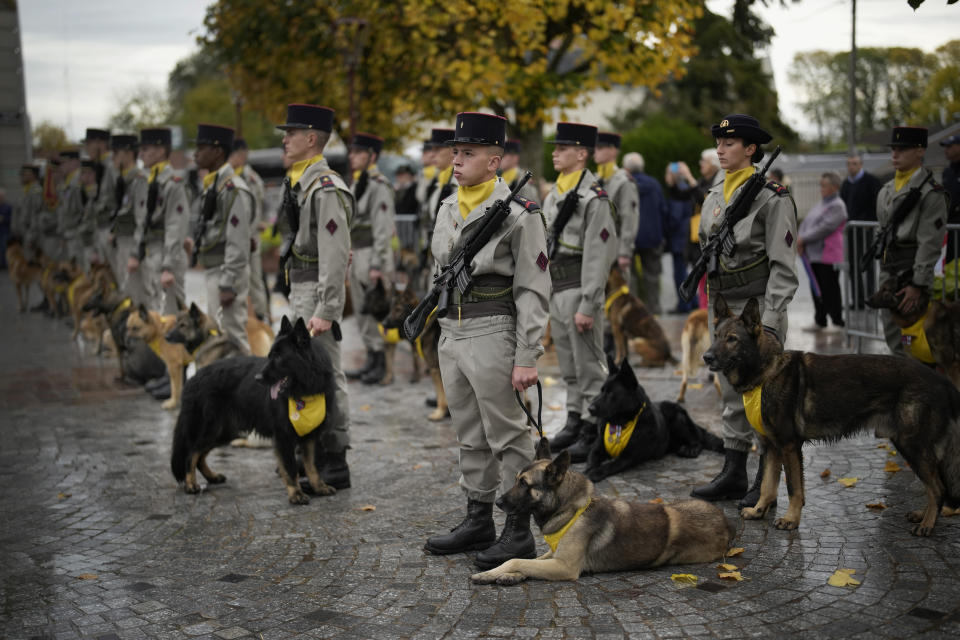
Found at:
[27, 212]
[622, 191]
[529, 190]
[318, 271]
[132, 205]
[918, 240]
[164, 240]
[105, 206]
[224, 252]
[763, 267]
[370, 232]
[258, 290]
[69, 216]
[587, 248]
[88, 224]
[497, 327]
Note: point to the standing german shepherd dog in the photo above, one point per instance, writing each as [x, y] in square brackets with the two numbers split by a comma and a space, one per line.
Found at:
[237, 395]
[592, 533]
[637, 429]
[804, 396]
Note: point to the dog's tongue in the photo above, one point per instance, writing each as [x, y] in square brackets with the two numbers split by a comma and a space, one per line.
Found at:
[275, 389]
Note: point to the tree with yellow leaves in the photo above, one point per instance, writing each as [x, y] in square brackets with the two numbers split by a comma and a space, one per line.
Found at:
[415, 60]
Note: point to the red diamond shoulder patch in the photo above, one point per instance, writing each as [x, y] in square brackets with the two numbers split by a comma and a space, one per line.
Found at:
[234, 220]
[331, 226]
[542, 261]
[788, 239]
[604, 234]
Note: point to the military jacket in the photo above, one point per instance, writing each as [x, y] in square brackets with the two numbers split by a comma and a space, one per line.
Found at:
[767, 235]
[134, 195]
[923, 228]
[169, 222]
[517, 250]
[590, 234]
[622, 191]
[226, 240]
[88, 219]
[70, 207]
[257, 189]
[106, 203]
[436, 195]
[326, 210]
[28, 209]
[374, 219]
[529, 190]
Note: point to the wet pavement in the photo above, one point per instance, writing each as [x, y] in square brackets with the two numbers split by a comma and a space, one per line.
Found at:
[97, 540]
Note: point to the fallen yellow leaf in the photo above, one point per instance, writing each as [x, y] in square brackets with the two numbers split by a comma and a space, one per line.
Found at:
[876, 505]
[727, 567]
[947, 511]
[657, 501]
[555, 407]
[848, 482]
[61, 496]
[87, 576]
[825, 473]
[366, 407]
[548, 381]
[892, 452]
[417, 466]
[882, 446]
[695, 385]
[734, 552]
[678, 372]
[843, 578]
[684, 578]
[731, 575]
[891, 467]
[368, 507]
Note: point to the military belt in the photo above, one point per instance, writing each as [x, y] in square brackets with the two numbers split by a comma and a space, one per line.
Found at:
[746, 282]
[125, 226]
[361, 237]
[486, 308]
[212, 257]
[311, 274]
[565, 272]
[302, 262]
[486, 288]
[899, 256]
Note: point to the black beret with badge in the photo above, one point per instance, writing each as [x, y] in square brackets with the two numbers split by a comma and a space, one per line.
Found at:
[215, 135]
[123, 141]
[367, 142]
[161, 137]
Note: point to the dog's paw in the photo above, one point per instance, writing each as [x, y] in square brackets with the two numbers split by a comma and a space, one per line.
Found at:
[785, 524]
[323, 489]
[218, 478]
[915, 516]
[485, 577]
[191, 489]
[169, 404]
[922, 530]
[438, 415]
[299, 497]
[510, 579]
[752, 513]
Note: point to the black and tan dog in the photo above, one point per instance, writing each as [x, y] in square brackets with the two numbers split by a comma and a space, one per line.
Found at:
[792, 397]
[24, 271]
[152, 328]
[636, 429]
[402, 301]
[138, 363]
[201, 337]
[591, 533]
[631, 322]
[694, 342]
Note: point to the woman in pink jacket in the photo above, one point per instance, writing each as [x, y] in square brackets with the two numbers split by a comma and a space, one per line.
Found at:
[821, 243]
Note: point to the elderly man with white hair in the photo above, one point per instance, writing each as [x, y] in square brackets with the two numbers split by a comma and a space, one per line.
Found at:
[648, 243]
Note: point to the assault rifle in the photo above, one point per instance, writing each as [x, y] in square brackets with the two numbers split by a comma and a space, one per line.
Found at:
[152, 193]
[567, 209]
[887, 234]
[457, 273]
[721, 242]
[291, 210]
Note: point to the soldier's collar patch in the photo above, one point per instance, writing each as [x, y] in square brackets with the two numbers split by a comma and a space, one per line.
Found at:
[597, 189]
[527, 204]
[777, 188]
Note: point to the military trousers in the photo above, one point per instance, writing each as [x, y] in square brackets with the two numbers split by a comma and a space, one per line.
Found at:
[132, 284]
[580, 355]
[736, 430]
[149, 273]
[646, 284]
[891, 331]
[258, 288]
[106, 251]
[495, 442]
[232, 319]
[360, 283]
[304, 297]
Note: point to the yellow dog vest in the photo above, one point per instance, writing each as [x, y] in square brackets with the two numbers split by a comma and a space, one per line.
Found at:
[553, 539]
[307, 413]
[751, 405]
[914, 340]
[616, 437]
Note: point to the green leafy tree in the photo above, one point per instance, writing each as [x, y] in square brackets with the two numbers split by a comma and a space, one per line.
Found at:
[142, 107]
[940, 102]
[49, 137]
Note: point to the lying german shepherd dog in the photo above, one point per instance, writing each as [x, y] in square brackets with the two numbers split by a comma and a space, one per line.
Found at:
[592, 533]
[804, 396]
[287, 396]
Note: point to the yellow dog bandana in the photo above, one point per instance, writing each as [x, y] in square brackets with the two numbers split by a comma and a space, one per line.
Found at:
[390, 336]
[616, 436]
[307, 413]
[914, 340]
[751, 405]
[553, 539]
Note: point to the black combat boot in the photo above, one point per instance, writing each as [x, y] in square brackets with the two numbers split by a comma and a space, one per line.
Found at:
[580, 450]
[334, 470]
[750, 500]
[379, 369]
[477, 531]
[516, 541]
[353, 374]
[43, 306]
[568, 435]
[731, 483]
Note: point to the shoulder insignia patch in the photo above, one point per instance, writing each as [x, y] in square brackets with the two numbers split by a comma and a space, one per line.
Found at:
[229, 186]
[176, 178]
[326, 182]
[526, 203]
[777, 188]
[936, 186]
[597, 189]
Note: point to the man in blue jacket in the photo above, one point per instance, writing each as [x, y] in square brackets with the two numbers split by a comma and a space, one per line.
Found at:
[648, 245]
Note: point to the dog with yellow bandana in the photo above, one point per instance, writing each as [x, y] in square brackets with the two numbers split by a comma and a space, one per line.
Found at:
[591, 533]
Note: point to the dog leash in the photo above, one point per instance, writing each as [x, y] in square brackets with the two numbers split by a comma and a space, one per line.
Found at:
[538, 423]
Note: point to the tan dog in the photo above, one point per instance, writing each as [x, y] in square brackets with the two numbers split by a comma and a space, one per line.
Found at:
[152, 328]
[630, 320]
[23, 272]
[82, 290]
[259, 334]
[596, 534]
[694, 341]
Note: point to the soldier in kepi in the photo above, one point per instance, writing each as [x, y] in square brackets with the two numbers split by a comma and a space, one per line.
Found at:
[28, 208]
[622, 191]
[97, 145]
[583, 246]
[510, 171]
[370, 233]
[316, 258]
[70, 207]
[162, 226]
[762, 267]
[490, 341]
[258, 285]
[222, 235]
[912, 208]
[130, 195]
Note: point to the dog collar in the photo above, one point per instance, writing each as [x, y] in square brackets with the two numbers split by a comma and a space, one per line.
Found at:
[617, 436]
[751, 406]
[307, 413]
[622, 291]
[553, 539]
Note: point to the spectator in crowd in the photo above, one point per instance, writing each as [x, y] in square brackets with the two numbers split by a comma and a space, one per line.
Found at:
[648, 245]
[859, 194]
[951, 183]
[680, 192]
[820, 243]
[404, 183]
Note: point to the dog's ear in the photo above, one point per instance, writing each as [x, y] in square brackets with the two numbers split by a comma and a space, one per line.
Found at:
[553, 474]
[611, 364]
[543, 450]
[180, 305]
[751, 317]
[720, 309]
[300, 334]
[285, 326]
[194, 311]
[626, 373]
[142, 311]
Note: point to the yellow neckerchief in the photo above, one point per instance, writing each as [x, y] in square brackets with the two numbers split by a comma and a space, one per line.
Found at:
[418, 342]
[734, 179]
[307, 413]
[70, 176]
[901, 178]
[469, 198]
[509, 175]
[72, 288]
[616, 437]
[914, 339]
[444, 176]
[123, 306]
[209, 180]
[156, 169]
[567, 181]
[124, 172]
[622, 291]
[605, 170]
[357, 174]
[429, 172]
[298, 167]
[751, 405]
[553, 539]
[105, 156]
[390, 336]
[239, 170]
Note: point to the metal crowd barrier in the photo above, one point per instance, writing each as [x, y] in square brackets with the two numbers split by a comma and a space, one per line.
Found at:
[407, 231]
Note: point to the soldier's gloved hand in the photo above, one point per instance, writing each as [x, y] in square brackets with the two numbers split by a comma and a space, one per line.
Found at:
[227, 296]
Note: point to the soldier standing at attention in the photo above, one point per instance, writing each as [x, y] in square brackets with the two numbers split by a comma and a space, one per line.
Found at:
[585, 245]
[162, 226]
[130, 194]
[428, 171]
[321, 251]
[370, 233]
[70, 207]
[915, 241]
[490, 342]
[29, 207]
[622, 191]
[762, 267]
[96, 143]
[258, 286]
[510, 171]
[226, 207]
[444, 182]
[88, 223]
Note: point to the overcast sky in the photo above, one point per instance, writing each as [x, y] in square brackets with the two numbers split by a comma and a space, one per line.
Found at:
[81, 57]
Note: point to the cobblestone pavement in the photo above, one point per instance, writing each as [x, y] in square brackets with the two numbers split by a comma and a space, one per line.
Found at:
[96, 539]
